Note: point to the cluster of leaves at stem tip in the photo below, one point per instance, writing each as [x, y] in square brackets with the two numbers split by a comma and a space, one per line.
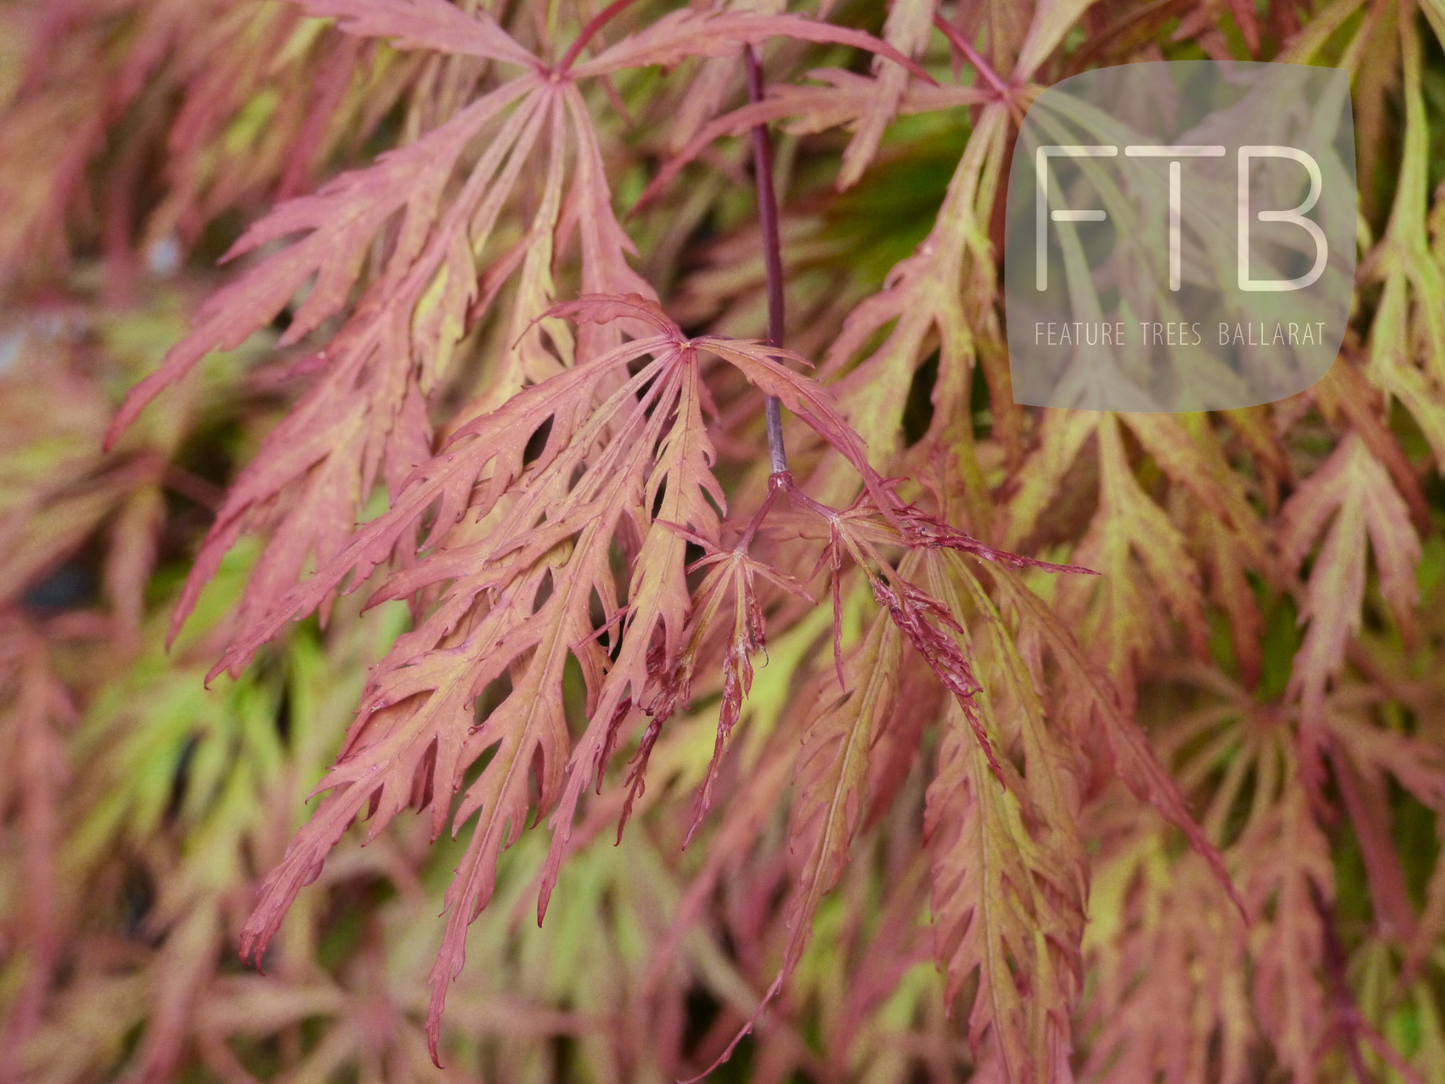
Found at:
[507, 558]
[586, 530]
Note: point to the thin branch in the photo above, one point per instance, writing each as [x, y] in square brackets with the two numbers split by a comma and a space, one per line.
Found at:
[959, 42]
[778, 480]
[596, 23]
[772, 253]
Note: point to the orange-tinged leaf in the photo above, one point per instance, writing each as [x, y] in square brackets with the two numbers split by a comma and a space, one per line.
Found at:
[1119, 613]
[1128, 748]
[1290, 873]
[689, 32]
[1063, 434]
[340, 222]
[1350, 498]
[997, 913]
[921, 298]
[733, 574]
[843, 97]
[829, 783]
[1170, 970]
[1008, 874]
[907, 29]
[424, 24]
[1052, 20]
[1168, 441]
[515, 554]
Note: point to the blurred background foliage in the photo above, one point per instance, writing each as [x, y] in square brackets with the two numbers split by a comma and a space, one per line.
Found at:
[140, 809]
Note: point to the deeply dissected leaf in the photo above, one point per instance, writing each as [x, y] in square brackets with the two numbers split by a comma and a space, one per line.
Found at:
[687, 33]
[1353, 494]
[921, 295]
[992, 902]
[1124, 616]
[829, 781]
[735, 574]
[907, 29]
[517, 601]
[1172, 1000]
[424, 24]
[544, 490]
[841, 99]
[1129, 751]
[1008, 890]
[1293, 879]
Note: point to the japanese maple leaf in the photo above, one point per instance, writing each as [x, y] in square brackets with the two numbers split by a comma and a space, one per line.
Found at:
[514, 554]
[1008, 865]
[1289, 866]
[367, 415]
[1351, 499]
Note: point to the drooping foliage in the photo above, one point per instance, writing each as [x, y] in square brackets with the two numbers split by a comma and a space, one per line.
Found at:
[384, 427]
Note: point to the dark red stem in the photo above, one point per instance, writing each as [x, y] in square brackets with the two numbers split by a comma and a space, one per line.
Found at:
[772, 253]
[960, 43]
[778, 480]
[598, 21]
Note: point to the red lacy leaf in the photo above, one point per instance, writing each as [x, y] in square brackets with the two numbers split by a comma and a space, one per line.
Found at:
[424, 24]
[1354, 491]
[688, 32]
[1133, 759]
[829, 783]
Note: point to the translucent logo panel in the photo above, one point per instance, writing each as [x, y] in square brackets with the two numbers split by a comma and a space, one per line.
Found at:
[1180, 236]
